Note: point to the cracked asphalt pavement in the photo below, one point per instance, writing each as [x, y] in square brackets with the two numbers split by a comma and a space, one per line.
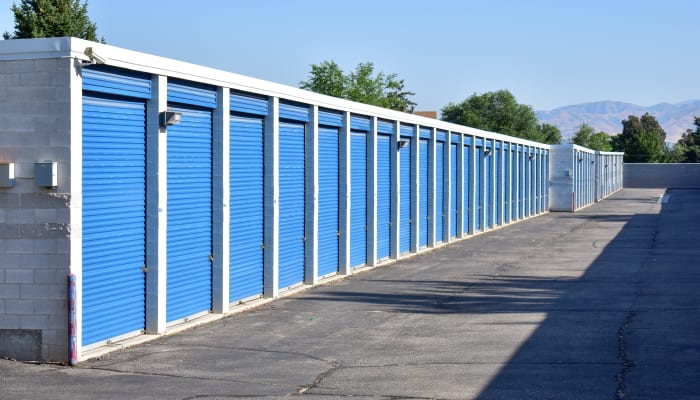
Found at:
[600, 304]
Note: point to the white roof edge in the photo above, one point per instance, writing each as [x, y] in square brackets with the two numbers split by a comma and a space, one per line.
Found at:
[23, 49]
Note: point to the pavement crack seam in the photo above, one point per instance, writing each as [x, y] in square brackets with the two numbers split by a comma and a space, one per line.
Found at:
[156, 374]
[627, 363]
[293, 353]
[323, 375]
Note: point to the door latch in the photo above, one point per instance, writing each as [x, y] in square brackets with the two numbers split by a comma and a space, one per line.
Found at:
[211, 257]
[144, 269]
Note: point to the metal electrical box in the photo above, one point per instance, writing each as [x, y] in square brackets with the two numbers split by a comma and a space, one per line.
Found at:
[7, 174]
[45, 174]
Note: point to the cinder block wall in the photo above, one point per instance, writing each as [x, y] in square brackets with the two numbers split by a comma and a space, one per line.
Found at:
[35, 113]
[677, 176]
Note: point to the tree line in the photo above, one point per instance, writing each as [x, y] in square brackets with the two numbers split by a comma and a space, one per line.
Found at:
[642, 138]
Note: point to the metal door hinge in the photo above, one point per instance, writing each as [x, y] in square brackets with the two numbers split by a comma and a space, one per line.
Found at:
[337, 233]
[144, 269]
[211, 257]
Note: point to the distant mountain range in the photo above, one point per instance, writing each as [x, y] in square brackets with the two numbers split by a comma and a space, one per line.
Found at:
[607, 116]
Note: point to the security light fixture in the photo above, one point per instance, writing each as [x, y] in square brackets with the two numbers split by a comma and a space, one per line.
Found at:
[580, 158]
[487, 151]
[94, 57]
[402, 143]
[170, 118]
[532, 156]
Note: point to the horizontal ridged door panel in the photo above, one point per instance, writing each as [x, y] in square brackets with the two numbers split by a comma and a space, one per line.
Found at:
[386, 127]
[439, 193]
[330, 118]
[114, 217]
[291, 204]
[294, 111]
[423, 214]
[248, 103]
[358, 198]
[383, 196]
[189, 232]
[246, 207]
[453, 190]
[191, 93]
[328, 200]
[468, 182]
[102, 79]
[406, 197]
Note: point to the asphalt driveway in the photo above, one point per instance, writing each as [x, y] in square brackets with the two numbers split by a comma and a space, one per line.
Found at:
[600, 304]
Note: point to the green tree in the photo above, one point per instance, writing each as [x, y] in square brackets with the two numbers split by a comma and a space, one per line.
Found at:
[52, 18]
[582, 137]
[547, 133]
[642, 139]
[687, 149]
[586, 136]
[499, 112]
[361, 85]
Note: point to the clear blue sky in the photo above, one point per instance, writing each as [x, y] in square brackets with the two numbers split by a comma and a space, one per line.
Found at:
[548, 53]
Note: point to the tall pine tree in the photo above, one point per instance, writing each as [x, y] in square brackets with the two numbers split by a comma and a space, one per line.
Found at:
[52, 18]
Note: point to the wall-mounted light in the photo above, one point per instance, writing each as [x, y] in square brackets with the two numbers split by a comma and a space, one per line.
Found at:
[580, 158]
[170, 118]
[7, 174]
[487, 151]
[401, 144]
[94, 57]
[46, 174]
[532, 156]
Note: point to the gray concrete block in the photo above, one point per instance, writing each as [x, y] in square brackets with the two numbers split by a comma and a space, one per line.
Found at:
[35, 79]
[16, 66]
[54, 291]
[9, 200]
[9, 321]
[63, 246]
[19, 306]
[20, 216]
[45, 216]
[9, 80]
[45, 246]
[8, 291]
[46, 65]
[19, 246]
[45, 276]
[48, 307]
[19, 276]
[35, 260]
[34, 321]
[2, 215]
[9, 231]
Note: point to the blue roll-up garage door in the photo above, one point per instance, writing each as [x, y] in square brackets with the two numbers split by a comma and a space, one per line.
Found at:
[468, 181]
[453, 190]
[291, 203]
[328, 200]
[423, 184]
[439, 190]
[514, 181]
[246, 207]
[358, 191]
[189, 245]
[406, 189]
[506, 183]
[499, 186]
[488, 185]
[113, 213]
[521, 182]
[478, 192]
[383, 196]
